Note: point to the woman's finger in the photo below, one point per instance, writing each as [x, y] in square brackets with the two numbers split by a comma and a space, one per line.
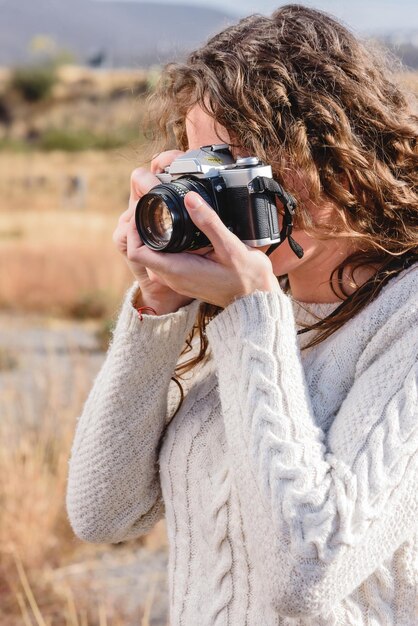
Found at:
[119, 236]
[141, 182]
[208, 221]
[125, 216]
[163, 160]
[133, 240]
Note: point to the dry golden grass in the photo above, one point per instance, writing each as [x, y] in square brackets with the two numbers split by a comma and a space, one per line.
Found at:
[35, 537]
[99, 80]
[58, 210]
[70, 265]
[41, 180]
[57, 258]
[34, 534]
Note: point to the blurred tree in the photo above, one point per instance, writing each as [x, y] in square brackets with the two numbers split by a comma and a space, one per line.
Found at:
[45, 49]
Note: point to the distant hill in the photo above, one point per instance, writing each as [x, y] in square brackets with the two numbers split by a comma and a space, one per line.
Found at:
[119, 33]
[123, 33]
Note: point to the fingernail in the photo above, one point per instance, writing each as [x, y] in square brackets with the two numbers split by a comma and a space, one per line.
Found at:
[194, 200]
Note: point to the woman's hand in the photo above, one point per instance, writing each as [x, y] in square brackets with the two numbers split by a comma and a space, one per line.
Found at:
[152, 292]
[229, 271]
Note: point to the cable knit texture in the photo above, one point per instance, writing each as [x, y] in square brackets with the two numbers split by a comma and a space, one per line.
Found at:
[288, 478]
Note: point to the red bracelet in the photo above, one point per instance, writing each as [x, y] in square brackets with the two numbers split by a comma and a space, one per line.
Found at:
[145, 309]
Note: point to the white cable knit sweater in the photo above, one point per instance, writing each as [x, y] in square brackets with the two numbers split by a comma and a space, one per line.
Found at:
[288, 478]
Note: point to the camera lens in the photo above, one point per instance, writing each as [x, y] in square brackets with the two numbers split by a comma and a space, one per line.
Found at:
[162, 220]
[157, 220]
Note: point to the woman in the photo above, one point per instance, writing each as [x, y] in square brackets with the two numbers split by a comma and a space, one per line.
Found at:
[288, 473]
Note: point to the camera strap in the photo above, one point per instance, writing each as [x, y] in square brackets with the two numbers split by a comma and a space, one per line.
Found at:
[262, 184]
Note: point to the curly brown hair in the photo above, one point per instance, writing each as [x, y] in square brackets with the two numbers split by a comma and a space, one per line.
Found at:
[300, 91]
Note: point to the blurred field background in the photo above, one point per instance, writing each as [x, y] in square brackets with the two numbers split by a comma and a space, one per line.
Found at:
[68, 144]
[69, 140]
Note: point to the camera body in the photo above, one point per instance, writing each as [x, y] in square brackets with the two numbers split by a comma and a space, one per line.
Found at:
[225, 184]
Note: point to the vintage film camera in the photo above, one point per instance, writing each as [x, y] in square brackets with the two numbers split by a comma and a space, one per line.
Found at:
[242, 192]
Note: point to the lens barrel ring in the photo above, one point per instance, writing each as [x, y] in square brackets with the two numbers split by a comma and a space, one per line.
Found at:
[180, 233]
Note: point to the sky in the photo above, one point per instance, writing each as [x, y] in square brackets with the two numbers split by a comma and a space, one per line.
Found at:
[361, 15]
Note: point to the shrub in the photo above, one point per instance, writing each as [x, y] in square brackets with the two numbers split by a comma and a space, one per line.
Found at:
[75, 140]
[13, 145]
[34, 83]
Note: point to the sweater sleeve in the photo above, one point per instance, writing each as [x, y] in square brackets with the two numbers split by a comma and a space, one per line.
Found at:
[320, 515]
[113, 491]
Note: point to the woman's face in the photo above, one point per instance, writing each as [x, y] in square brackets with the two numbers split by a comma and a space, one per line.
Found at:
[203, 130]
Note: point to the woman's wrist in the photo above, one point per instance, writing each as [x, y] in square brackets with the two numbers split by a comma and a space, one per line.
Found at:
[161, 305]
